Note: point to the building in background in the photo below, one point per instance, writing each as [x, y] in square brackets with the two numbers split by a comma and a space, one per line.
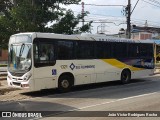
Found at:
[143, 33]
[3, 56]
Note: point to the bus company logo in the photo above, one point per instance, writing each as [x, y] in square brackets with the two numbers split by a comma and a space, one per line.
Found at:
[72, 66]
[77, 67]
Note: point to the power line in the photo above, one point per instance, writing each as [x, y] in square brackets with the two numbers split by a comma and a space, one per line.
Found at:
[103, 5]
[101, 15]
[154, 1]
[119, 19]
[135, 19]
[151, 3]
[104, 15]
[135, 6]
[105, 22]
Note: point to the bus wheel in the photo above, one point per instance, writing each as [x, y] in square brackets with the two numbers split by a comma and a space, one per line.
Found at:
[64, 84]
[125, 76]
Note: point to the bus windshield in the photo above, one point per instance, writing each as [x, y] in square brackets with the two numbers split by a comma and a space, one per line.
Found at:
[19, 58]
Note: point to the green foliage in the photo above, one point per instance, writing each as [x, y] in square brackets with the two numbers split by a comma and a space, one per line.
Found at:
[7, 28]
[3, 65]
[34, 16]
[68, 24]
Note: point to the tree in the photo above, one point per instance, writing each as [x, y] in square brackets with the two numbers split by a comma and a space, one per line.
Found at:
[34, 16]
[7, 28]
[68, 24]
[5, 22]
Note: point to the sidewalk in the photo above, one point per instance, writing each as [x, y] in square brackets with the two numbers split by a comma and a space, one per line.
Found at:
[3, 73]
[157, 71]
[3, 80]
[3, 69]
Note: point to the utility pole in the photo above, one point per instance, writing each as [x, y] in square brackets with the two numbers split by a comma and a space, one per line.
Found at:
[128, 10]
[82, 13]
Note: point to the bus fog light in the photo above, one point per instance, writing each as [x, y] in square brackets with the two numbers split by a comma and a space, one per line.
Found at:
[24, 85]
[27, 77]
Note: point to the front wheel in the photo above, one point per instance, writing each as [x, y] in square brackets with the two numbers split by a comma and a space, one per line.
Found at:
[64, 84]
[125, 76]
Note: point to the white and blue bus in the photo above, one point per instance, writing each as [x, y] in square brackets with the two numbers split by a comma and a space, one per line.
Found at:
[46, 60]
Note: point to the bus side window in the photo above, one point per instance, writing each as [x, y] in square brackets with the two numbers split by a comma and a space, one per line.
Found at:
[103, 50]
[133, 50]
[65, 50]
[47, 52]
[50, 52]
[120, 50]
[85, 50]
[44, 54]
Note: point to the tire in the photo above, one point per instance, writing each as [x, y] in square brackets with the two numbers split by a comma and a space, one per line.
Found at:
[64, 84]
[125, 76]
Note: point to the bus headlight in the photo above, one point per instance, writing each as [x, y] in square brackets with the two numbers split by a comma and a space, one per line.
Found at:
[27, 77]
[9, 77]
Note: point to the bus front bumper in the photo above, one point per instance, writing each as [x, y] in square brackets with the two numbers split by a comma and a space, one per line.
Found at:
[17, 83]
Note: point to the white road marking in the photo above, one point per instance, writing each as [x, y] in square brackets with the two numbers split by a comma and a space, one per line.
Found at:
[122, 99]
[113, 101]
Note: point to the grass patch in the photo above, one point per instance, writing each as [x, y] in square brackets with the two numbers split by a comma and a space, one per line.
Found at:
[3, 65]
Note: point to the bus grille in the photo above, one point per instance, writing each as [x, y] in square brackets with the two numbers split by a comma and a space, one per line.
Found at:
[17, 84]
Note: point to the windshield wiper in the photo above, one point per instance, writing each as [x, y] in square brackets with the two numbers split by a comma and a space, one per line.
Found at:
[20, 54]
[21, 50]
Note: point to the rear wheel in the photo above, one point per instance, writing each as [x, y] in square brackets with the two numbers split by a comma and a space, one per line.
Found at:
[64, 84]
[125, 76]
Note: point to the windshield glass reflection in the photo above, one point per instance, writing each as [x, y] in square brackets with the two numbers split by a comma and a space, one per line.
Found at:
[19, 57]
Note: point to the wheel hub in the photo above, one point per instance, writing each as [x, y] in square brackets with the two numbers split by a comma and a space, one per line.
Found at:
[65, 83]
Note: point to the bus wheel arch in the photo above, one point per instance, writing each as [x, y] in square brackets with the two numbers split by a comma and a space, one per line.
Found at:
[65, 82]
[125, 76]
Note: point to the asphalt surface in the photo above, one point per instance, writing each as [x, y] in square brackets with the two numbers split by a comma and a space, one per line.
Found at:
[98, 101]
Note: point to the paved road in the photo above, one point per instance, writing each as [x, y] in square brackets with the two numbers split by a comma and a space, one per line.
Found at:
[140, 95]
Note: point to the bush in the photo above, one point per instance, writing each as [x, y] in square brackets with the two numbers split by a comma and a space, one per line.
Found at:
[3, 65]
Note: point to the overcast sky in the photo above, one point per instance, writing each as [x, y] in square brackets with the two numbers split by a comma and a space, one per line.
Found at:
[145, 10]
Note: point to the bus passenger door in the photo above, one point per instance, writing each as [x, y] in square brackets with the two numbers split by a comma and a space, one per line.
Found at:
[43, 65]
[43, 78]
